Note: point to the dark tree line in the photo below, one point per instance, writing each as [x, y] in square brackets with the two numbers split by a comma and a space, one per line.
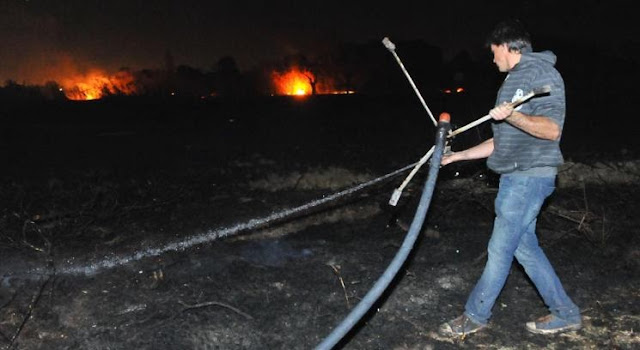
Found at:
[594, 79]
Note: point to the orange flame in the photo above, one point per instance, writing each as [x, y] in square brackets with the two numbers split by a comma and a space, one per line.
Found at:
[97, 84]
[293, 82]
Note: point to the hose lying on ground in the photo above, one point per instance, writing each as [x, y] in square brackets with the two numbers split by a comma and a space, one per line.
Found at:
[389, 274]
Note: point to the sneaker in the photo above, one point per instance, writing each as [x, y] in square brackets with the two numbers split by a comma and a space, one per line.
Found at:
[552, 324]
[460, 326]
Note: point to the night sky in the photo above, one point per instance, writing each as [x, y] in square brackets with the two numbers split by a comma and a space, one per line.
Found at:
[42, 39]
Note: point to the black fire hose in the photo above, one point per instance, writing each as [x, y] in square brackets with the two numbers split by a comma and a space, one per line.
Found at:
[401, 256]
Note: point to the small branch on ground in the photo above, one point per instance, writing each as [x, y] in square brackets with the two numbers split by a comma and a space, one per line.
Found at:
[32, 305]
[47, 243]
[336, 269]
[214, 303]
[586, 205]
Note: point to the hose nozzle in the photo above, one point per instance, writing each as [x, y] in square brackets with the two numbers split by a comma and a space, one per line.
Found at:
[388, 44]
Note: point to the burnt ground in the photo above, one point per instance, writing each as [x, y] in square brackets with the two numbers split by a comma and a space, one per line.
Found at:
[163, 232]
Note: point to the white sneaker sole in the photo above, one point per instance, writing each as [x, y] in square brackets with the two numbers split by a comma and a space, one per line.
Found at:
[531, 327]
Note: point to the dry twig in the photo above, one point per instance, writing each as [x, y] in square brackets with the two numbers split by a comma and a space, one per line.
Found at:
[32, 305]
[47, 243]
[336, 269]
[584, 219]
[214, 303]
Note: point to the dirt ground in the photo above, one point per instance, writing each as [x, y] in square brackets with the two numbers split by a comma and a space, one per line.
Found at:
[207, 253]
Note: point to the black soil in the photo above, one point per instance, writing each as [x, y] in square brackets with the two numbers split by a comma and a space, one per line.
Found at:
[142, 224]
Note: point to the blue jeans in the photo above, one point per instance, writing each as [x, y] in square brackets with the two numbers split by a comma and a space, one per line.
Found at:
[517, 207]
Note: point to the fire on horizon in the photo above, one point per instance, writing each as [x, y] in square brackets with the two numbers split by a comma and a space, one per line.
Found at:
[97, 84]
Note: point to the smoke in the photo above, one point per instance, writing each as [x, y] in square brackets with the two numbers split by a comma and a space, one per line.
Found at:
[33, 50]
[38, 69]
[28, 42]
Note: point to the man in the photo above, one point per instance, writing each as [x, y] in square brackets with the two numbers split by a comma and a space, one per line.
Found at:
[525, 152]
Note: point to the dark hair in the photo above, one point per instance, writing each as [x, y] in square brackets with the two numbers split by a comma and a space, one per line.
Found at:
[513, 33]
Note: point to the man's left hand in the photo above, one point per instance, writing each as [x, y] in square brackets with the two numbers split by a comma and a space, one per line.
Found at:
[501, 112]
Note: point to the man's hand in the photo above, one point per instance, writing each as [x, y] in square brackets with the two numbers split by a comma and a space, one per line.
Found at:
[539, 126]
[482, 150]
[448, 158]
[502, 111]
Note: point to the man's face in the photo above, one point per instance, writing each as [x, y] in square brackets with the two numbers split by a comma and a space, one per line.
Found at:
[500, 57]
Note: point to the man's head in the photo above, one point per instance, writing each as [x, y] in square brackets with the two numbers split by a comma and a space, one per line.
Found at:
[508, 41]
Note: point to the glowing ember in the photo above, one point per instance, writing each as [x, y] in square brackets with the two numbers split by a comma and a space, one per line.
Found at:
[97, 84]
[457, 90]
[293, 82]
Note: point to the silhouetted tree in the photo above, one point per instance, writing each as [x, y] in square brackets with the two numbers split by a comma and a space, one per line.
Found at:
[228, 80]
[312, 81]
[51, 90]
[191, 82]
[170, 70]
